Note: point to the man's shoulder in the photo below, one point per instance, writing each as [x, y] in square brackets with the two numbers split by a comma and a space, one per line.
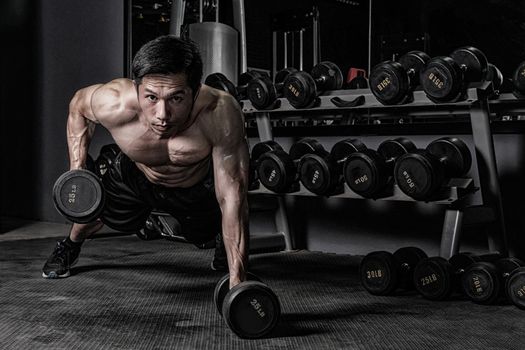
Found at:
[115, 101]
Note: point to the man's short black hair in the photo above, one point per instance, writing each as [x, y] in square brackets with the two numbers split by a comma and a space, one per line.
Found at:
[169, 54]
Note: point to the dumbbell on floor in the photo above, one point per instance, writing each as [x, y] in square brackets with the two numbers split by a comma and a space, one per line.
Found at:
[263, 94]
[251, 309]
[301, 89]
[518, 80]
[79, 194]
[383, 272]
[392, 82]
[321, 172]
[484, 282]
[277, 170]
[436, 278]
[445, 79]
[422, 173]
[368, 173]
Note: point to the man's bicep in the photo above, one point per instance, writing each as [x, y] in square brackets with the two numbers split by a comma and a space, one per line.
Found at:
[82, 101]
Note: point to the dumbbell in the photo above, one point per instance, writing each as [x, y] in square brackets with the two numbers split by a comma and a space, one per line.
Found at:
[368, 173]
[436, 278]
[321, 172]
[263, 94]
[79, 194]
[484, 282]
[495, 76]
[251, 309]
[422, 173]
[383, 272]
[257, 151]
[301, 89]
[392, 82]
[277, 170]
[445, 79]
[515, 287]
[518, 80]
[107, 156]
[219, 81]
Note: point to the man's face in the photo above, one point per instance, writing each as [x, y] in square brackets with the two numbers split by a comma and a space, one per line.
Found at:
[166, 102]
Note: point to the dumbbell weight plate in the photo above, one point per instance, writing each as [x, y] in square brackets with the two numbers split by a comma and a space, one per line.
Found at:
[418, 174]
[495, 76]
[248, 76]
[221, 82]
[378, 273]
[79, 196]
[251, 309]
[474, 60]
[261, 92]
[364, 172]
[441, 79]
[454, 152]
[518, 80]
[281, 75]
[414, 61]
[389, 82]
[317, 174]
[481, 283]
[515, 287]
[407, 259]
[300, 89]
[276, 171]
[432, 278]
[223, 286]
[333, 77]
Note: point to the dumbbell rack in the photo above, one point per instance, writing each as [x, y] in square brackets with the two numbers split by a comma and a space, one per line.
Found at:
[458, 195]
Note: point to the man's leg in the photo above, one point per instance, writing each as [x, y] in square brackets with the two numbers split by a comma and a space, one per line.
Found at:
[66, 252]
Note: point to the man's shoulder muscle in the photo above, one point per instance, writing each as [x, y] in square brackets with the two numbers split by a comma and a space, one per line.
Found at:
[115, 102]
[225, 118]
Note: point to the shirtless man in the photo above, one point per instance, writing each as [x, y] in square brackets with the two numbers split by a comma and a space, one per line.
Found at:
[183, 150]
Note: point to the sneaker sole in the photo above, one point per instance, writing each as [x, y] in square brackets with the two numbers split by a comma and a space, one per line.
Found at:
[54, 275]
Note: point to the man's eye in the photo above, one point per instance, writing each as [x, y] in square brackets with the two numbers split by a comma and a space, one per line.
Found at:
[152, 98]
[176, 99]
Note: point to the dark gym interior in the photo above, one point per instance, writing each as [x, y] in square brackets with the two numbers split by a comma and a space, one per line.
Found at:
[132, 293]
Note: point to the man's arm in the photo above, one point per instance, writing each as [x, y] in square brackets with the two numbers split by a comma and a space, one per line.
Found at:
[80, 126]
[230, 161]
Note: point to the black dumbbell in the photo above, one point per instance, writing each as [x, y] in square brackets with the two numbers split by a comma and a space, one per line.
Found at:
[515, 287]
[383, 272]
[422, 173]
[257, 151]
[369, 173]
[495, 76]
[321, 172]
[392, 82]
[301, 89]
[518, 80]
[263, 94]
[220, 82]
[251, 309]
[445, 79]
[106, 158]
[436, 278]
[79, 194]
[277, 170]
[484, 282]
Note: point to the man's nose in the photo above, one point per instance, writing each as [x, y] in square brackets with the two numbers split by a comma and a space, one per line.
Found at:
[163, 113]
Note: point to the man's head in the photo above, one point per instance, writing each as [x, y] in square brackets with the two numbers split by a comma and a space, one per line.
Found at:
[169, 54]
[167, 72]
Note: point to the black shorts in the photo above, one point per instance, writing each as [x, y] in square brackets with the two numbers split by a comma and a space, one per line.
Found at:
[130, 198]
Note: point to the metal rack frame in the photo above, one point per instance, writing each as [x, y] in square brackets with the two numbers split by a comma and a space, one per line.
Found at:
[459, 196]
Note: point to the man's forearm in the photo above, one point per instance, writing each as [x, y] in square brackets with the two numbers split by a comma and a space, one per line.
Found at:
[235, 233]
[79, 133]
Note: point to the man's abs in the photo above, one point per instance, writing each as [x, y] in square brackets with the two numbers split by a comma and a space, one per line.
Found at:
[176, 176]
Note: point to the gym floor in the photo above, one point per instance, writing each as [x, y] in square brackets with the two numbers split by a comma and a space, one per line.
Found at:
[130, 294]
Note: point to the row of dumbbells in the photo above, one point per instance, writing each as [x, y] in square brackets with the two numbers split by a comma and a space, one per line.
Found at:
[443, 78]
[484, 279]
[419, 173]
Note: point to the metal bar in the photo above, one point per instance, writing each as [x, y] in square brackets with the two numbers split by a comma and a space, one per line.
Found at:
[451, 233]
[285, 54]
[315, 47]
[217, 11]
[292, 48]
[128, 38]
[264, 126]
[177, 16]
[301, 48]
[488, 172]
[201, 15]
[369, 36]
[274, 53]
[240, 24]
[281, 223]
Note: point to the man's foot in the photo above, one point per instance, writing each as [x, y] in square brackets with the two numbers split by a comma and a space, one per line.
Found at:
[64, 256]
[220, 261]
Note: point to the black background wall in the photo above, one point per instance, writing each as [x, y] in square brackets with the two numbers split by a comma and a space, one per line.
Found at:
[52, 48]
